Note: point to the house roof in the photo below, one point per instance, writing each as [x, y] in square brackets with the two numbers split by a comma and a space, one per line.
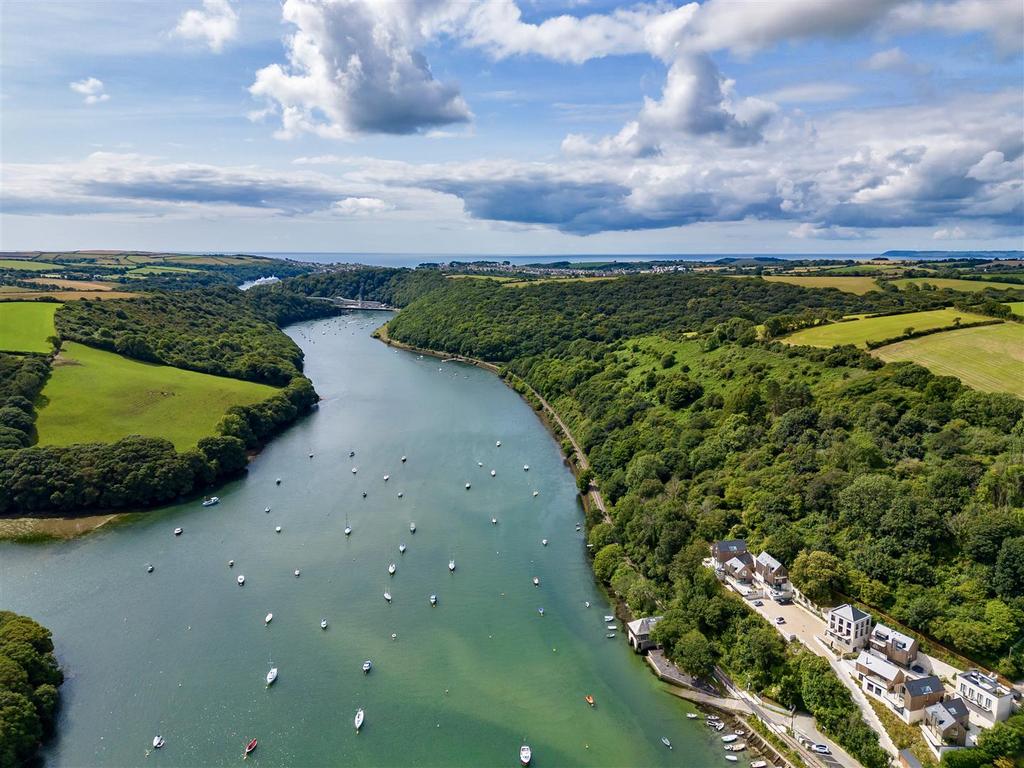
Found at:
[731, 545]
[741, 560]
[987, 683]
[940, 716]
[956, 707]
[924, 686]
[848, 612]
[885, 634]
[643, 626]
[768, 561]
[908, 759]
[880, 667]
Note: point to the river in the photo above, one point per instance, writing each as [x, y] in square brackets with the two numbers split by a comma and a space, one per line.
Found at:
[183, 651]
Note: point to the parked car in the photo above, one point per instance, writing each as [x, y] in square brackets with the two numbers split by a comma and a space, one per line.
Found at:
[759, 603]
[821, 749]
[780, 620]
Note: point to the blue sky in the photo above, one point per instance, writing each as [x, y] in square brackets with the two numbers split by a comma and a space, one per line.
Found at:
[512, 127]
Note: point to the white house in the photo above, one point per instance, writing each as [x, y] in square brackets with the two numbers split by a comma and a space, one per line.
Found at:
[848, 627]
[988, 700]
[639, 633]
[881, 679]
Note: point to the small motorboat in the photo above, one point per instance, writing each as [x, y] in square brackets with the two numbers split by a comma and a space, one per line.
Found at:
[609, 618]
[577, 526]
[691, 716]
[498, 444]
[468, 486]
[493, 473]
[525, 753]
[249, 748]
[277, 529]
[149, 567]
[178, 531]
[210, 501]
[402, 548]
[297, 573]
[729, 738]
[666, 742]
[526, 467]
[589, 699]
[739, 747]
[403, 459]
[267, 510]
[536, 493]
[387, 595]
[540, 611]
[364, 494]
[358, 722]
[412, 527]
[732, 758]
[536, 581]
[611, 626]
[158, 742]
[400, 494]
[739, 732]
[479, 463]
[323, 623]
[544, 542]
[586, 603]
[433, 599]
[278, 481]
[610, 635]
[351, 454]
[268, 618]
[494, 521]
[271, 676]
[392, 568]
[231, 563]
[759, 764]
[348, 530]
[451, 566]
[367, 666]
[240, 580]
[386, 478]
[354, 470]
[311, 455]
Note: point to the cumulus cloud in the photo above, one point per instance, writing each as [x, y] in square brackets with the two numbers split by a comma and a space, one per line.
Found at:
[894, 60]
[1001, 20]
[947, 233]
[91, 88]
[361, 206]
[215, 24]
[810, 230]
[353, 67]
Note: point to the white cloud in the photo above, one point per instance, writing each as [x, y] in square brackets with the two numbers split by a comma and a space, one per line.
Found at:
[809, 230]
[353, 68]
[1001, 20]
[215, 24]
[361, 206]
[91, 88]
[956, 233]
[807, 93]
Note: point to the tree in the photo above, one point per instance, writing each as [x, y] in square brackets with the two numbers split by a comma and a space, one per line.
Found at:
[694, 654]
[1008, 576]
[606, 561]
[818, 574]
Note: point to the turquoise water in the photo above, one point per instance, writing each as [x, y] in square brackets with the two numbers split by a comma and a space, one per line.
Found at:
[183, 651]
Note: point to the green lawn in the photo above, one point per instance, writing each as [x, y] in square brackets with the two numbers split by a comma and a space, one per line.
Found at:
[968, 286]
[25, 326]
[158, 270]
[859, 332]
[31, 266]
[857, 285]
[990, 358]
[1017, 307]
[97, 396]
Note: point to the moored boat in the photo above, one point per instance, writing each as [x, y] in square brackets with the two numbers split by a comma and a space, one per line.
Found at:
[240, 580]
[526, 467]
[536, 581]
[249, 748]
[149, 567]
[433, 599]
[178, 531]
[392, 568]
[493, 473]
[729, 738]
[691, 716]
[451, 566]
[401, 548]
[358, 722]
[412, 527]
[158, 741]
[268, 618]
[387, 595]
[211, 500]
[589, 699]
[666, 742]
[323, 623]
[525, 753]
[544, 543]
[609, 618]
[271, 676]
[732, 758]
[367, 666]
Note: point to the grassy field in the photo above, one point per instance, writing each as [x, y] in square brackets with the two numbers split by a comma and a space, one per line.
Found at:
[857, 285]
[73, 285]
[968, 286]
[990, 358]
[154, 270]
[31, 266]
[859, 332]
[97, 396]
[14, 293]
[538, 281]
[1017, 307]
[495, 278]
[25, 326]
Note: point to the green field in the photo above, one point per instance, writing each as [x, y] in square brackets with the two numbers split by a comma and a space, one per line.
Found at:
[1017, 307]
[158, 270]
[25, 326]
[989, 358]
[968, 286]
[97, 396]
[31, 266]
[859, 332]
[857, 285]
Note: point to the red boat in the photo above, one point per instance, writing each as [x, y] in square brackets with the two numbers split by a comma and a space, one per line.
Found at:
[589, 699]
[249, 748]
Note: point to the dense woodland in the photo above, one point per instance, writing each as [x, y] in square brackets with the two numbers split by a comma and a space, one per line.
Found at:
[29, 679]
[884, 484]
[21, 379]
[394, 287]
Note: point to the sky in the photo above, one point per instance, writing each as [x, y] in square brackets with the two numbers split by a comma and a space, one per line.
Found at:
[512, 126]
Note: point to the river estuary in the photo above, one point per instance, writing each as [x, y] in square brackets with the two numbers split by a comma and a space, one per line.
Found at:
[183, 651]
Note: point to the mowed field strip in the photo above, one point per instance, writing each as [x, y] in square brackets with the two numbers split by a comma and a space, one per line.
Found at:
[989, 358]
[850, 284]
[968, 286]
[1017, 307]
[25, 326]
[98, 396]
[860, 332]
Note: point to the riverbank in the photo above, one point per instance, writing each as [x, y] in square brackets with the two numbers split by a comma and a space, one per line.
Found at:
[34, 529]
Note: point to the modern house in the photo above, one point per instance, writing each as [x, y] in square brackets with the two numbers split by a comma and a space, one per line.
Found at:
[771, 572]
[918, 695]
[881, 679]
[741, 567]
[639, 633]
[945, 726]
[988, 700]
[724, 551]
[895, 646]
[848, 627]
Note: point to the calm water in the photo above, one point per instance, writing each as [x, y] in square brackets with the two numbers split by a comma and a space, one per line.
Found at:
[183, 651]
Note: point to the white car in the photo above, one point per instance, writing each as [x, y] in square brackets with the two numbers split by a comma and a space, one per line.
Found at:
[780, 620]
[821, 749]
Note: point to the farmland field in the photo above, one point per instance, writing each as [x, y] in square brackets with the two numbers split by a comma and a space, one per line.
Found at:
[31, 266]
[1017, 307]
[158, 270]
[25, 326]
[538, 281]
[989, 358]
[969, 286]
[857, 285]
[74, 285]
[97, 396]
[15, 293]
[859, 332]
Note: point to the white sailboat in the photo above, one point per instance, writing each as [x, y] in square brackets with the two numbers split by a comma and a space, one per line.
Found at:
[525, 754]
[358, 722]
[323, 623]
[271, 676]
[268, 618]
[387, 595]
[367, 666]
[451, 565]
[433, 599]
[240, 580]
[158, 741]
[412, 527]
[493, 473]
[402, 548]
[391, 569]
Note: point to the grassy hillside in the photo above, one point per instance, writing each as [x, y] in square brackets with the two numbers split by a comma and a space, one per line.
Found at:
[969, 286]
[858, 285]
[859, 332]
[1017, 308]
[25, 326]
[97, 396]
[990, 358]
